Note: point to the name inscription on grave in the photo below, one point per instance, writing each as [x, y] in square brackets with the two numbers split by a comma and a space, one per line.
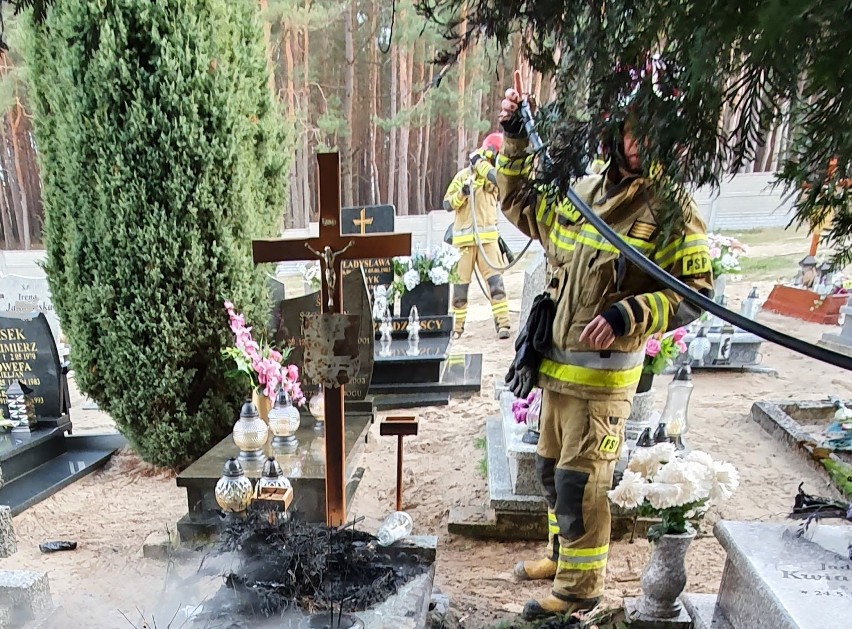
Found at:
[370, 219]
[835, 582]
[28, 355]
[428, 324]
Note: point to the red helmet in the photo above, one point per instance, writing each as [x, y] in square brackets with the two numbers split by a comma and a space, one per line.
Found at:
[493, 142]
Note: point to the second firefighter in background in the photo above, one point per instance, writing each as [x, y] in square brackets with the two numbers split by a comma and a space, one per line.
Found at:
[476, 186]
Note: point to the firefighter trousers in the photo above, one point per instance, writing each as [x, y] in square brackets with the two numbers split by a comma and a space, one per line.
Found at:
[470, 257]
[579, 445]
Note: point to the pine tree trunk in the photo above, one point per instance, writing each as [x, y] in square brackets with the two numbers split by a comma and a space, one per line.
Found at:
[346, 169]
[307, 171]
[392, 158]
[461, 136]
[5, 213]
[22, 198]
[374, 106]
[405, 70]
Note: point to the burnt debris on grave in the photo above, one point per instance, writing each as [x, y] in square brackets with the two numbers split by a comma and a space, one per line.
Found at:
[307, 566]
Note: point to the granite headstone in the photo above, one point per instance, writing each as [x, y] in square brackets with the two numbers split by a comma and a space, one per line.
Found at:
[28, 355]
[370, 219]
[287, 327]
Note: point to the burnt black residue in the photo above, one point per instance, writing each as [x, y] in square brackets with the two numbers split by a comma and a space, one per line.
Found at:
[312, 567]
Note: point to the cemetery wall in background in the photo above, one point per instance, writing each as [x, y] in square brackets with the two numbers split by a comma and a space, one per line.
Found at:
[744, 202]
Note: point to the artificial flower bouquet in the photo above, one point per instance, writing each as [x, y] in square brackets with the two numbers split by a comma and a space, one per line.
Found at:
[725, 254]
[659, 484]
[439, 265]
[661, 351]
[526, 410]
[260, 363]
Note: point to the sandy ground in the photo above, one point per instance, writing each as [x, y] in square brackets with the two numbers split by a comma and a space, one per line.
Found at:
[112, 512]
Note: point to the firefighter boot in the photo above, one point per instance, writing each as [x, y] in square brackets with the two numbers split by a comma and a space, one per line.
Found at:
[555, 606]
[459, 308]
[499, 306]
[542, 568]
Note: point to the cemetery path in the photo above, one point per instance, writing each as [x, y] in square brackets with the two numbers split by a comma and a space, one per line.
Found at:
[112, 512]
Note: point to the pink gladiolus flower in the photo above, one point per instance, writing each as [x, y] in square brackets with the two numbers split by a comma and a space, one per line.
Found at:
[229, 305]
[679, 334]
[275, 355]
[652, 347]
[681, 346]
[293, 373]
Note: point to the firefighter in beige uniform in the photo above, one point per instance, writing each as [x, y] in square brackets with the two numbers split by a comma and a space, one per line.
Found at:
[457, 200]
[606, 308]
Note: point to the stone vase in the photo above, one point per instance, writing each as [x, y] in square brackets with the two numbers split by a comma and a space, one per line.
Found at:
[640, 416]
[720, 282]
[263, 404]
[664, 578]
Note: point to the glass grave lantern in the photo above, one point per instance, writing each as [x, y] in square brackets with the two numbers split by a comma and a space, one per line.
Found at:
[675, 415]
[233, 490]
[284, 420]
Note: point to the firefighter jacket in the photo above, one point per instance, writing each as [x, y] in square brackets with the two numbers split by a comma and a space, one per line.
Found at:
[484, 191]
[590, 277]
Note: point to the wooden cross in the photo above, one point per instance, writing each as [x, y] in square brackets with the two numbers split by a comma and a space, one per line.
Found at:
[349, 247]
[400, 427]
[363, 221]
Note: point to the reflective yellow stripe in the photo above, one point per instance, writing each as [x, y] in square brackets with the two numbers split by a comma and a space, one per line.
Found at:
[562, 238]
[590, 565]
[693, 243]
[587, 376]
[567, 209]
[553, 529]
[659, 305]
[500, 308]
[566, 553]
[514, 166]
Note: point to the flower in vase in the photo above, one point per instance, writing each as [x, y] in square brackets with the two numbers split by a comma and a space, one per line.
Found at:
[411, 279]
[663, 496]
[630, 492]
[439, 275]
[679, 334]
[726, 479]
[648, 461]
[652, 347]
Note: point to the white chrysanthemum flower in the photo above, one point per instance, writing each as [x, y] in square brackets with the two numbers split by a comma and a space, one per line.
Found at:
[700, 457]
[647, 461]
[630, 492]
[411, 279]
[692, 479]
[439, 275]
[726, 479]
[663, 496]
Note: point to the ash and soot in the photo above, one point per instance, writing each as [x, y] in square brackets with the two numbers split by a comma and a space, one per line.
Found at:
[310, 567]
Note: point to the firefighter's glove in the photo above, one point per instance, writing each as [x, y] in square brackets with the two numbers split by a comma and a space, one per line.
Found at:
[465, 190]
[522, 383]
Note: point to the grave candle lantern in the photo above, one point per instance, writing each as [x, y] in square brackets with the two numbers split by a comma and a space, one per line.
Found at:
[250, 433]
[233, 490]
[21, 408]
[284, 421]
[676, 411]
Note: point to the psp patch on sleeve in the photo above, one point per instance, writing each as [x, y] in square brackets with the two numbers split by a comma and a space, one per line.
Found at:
[609, 444]
[696, 264]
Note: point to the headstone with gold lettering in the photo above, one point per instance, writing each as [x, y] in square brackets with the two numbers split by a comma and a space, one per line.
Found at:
[369, 219]
[28, 355]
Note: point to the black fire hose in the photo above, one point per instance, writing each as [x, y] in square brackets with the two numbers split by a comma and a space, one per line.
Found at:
[694, 297]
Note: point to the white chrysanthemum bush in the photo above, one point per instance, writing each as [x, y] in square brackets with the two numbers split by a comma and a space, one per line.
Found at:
[439, 266]
[660, 484]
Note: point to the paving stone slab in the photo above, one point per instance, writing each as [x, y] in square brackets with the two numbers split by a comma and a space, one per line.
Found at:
[26, 594]
[774, 579]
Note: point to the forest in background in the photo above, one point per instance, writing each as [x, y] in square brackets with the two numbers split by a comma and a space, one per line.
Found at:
[356, 77]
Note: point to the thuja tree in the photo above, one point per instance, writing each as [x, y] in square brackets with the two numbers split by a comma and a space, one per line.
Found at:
[730, 70]
[161, 156]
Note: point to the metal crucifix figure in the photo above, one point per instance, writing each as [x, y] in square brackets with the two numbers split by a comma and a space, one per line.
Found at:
[327, 258]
